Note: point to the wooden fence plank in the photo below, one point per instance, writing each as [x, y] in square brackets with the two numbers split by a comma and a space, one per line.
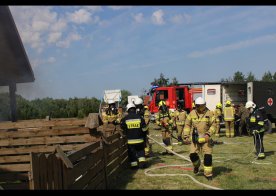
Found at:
[58, 173]
[42, 132]
[95, 181]
[42, 148]
[84, 180]
[47, 140]
[34, 173]
[112, 165]
[15, 167]
[84, 165]
[52, 123]
[42, 171]
[50, 173]
[14, 159]
[77, 155]
[13, 176]
[16, 186]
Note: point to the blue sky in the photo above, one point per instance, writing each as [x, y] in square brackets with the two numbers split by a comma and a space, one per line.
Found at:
[80, 51]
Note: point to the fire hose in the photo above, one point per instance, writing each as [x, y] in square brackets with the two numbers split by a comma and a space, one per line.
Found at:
[182, 157]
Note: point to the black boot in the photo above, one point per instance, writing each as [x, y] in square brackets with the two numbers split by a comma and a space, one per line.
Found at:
[196, 170]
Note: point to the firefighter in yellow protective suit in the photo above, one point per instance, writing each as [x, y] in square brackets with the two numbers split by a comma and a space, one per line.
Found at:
[200, 125]
[165, 120]
[180, 116]
[147, 120]
[229, 119]
[218, 117]
[111, 116]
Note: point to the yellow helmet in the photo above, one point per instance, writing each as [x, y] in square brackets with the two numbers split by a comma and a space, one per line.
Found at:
[228, 102]
[146, 107]
[219, 105]
[161, 103]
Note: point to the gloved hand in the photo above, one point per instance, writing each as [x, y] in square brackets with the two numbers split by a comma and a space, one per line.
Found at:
[186, 140]
[207, 137]
[255, 131]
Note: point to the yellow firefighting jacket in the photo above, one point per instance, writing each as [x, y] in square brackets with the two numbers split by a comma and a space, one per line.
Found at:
[204, 123]
[164, 119]
[180, 117]
[147, 116]
[229, 113]
[110, 118]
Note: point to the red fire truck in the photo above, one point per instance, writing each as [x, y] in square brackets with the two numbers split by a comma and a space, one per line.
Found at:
[171, 95]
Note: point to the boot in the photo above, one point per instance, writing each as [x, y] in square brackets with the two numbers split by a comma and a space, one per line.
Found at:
[196, 170]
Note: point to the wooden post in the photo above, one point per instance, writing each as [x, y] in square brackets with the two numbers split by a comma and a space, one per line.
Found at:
[12, 89]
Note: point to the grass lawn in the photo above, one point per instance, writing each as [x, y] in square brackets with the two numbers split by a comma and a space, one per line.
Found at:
[234, 167]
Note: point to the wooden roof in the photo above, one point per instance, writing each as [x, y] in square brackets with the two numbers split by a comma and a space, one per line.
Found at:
[14, 63]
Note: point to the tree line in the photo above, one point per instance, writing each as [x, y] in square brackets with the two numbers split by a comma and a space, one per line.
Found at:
[237, 77]
[250, 77]
[55, 108]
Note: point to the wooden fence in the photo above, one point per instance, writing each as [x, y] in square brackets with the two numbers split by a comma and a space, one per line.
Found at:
[19, 139]
[93, 167]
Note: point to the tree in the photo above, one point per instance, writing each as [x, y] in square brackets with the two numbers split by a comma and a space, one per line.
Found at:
[125, 94]
[274, 77]
[174, 82]
[238, 77]
[250, 77]
[267, 77]
[161, 81]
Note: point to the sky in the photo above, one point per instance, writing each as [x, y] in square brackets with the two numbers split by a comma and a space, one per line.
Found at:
[80, 51]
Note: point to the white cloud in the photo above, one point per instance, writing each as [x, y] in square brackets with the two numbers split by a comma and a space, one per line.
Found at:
[54, 37]
[138, 17]
[181, 18]
[67, 41]
[119, 7]
[51, 59]
[234, 46]
[80, 16]
[59, 25]
[157, 17]
[94, 8]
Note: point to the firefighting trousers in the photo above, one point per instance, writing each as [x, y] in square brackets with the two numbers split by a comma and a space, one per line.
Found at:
[206, 149]
[229, 129]
[166, 137]
[146, 143]
[258, 142]
[179, 129]
[136, 153]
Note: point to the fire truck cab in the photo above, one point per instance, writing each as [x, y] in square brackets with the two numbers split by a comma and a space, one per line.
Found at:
[171, 95]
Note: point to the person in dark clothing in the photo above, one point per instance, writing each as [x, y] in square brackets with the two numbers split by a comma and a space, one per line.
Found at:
[255, 123]
[134, 127]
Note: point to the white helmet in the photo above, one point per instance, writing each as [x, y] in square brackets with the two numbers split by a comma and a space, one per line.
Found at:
[138, 101]
[250, 104]
[200, 101]
[130, 105]
[111, 101]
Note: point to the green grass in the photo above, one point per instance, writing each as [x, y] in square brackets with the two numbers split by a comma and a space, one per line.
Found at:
[232, 167]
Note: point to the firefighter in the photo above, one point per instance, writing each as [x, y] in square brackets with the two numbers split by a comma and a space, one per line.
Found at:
[200, 125]
[147, 114]
[134, 127]
[139, 106]
[141, 111]
[218, 117]
[255, 123]
[164, 119]
[229, 117]
[243, 113]
[180, 116]
[111, 114]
